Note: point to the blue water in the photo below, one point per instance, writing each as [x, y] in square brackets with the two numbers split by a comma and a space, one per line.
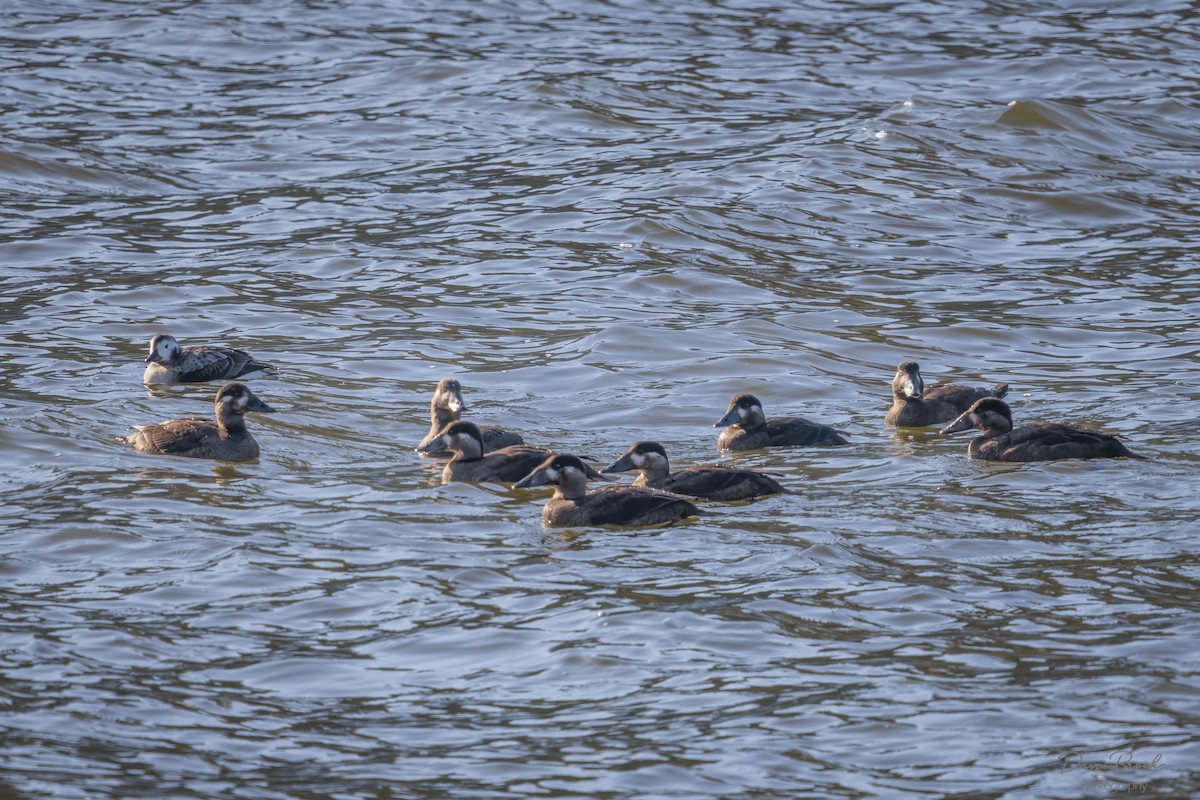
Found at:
[605, 220]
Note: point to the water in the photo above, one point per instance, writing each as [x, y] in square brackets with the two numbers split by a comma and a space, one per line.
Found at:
[605, 219]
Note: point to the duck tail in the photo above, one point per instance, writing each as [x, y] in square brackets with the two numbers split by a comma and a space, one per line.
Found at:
[1000, 390]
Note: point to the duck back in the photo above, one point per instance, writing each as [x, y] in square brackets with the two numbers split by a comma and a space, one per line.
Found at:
[714, 482]
[618, 505]
[1048, 441]
[506, 465]
[941, 402]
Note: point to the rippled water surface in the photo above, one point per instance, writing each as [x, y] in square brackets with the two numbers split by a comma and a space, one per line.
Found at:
[605, 219]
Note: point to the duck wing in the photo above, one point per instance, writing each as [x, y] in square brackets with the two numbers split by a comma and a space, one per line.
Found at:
[800, 431]
[1048, 441]
[209, 363]
[175, 436]
[720, 483]
[961, 396]
[495, 437]
[627, 505]
[511, 464]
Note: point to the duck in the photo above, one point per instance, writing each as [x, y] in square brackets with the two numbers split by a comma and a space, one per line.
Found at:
[472, 463]
[223, 439]
[708, 481]
[749, 429]
[1038, 441]
[574, 506]
[171, 363]
[914, 405]
[447, 406]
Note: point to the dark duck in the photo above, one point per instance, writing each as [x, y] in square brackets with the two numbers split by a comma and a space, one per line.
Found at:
[447, 406]
[1038, 441]
[171, 363]
[474, 464]
[574, 506]
[709, 481]
[749, 429]
[915, 405]
[223, 439]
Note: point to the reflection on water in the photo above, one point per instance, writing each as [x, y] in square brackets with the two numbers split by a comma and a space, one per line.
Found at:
[606, 221]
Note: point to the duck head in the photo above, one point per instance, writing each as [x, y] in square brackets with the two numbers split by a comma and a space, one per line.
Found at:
[908, 383]
[743, 408]
[990, 415]
[644, 456]
[163, 349]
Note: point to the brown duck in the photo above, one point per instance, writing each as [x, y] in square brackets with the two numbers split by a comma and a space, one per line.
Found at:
[447, 406]
[1038, 441]
[225, 439]
[750, 429]
[574, 506]
[915, 405]
[472, 464]
[709, 481]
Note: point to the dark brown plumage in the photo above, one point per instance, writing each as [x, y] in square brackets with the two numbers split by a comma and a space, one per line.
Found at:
[171, 363]
[750, 429]
[915, 405]
[709, 481]
[447, 406]
[472, 465]
[1038, 441]
[225, 439]
[574, 506]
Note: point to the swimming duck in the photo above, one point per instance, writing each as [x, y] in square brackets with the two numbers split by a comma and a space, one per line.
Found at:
[914, 405]
[709, 481]
[749, 429]
[471, 463]
[447, 406]
[1039, 441]
[171, 363]
[574, 506]
[226, 439]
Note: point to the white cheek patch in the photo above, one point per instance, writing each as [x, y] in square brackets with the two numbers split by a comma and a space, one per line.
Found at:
[638, 459]
[742, 412]
[235, 403]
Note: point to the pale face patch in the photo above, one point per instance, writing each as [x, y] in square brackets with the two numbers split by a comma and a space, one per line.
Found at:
[651, 459]
[166, 348]
[235, 402]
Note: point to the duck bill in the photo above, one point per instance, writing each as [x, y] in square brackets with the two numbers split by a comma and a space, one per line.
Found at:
[435, 445]
[455, 403]
[535, 478]
[151, 359]
[596, 476]
[260, 407]
[731, 416]
[913, 387]
[963, 423]
[622, 464]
